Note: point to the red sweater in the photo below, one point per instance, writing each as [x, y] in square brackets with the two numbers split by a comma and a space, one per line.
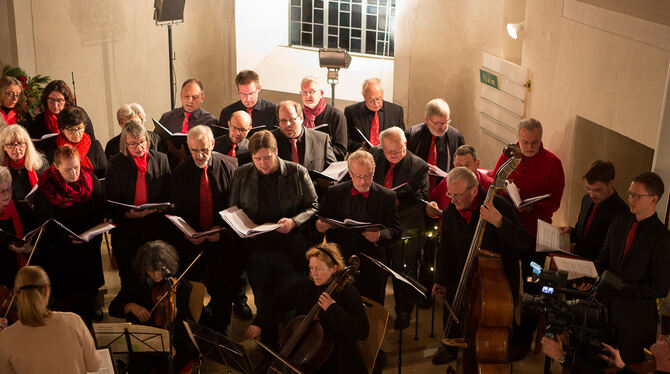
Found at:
[538, 175]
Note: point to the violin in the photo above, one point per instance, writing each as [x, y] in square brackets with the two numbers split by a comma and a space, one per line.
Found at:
[166, 310]
[305, 344]
[7, 308]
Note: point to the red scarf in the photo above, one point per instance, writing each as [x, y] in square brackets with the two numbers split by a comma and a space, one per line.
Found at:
[82, 147]
[467, 213]
[32, 175]
[51, 121]
[62, 194]
[10, 212]
[10, 117]
[311, 114]
[141, 182]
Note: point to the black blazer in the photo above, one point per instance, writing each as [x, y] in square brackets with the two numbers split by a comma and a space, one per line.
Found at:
[173, 120]
[337, 129]
[410, 169]
[589, 246]
[95, 154]
[359, 116]
[264, 113]
[37, 128]
[112, 146]
[645, 275]
[315, 152]
[223, 143]
[419, 139]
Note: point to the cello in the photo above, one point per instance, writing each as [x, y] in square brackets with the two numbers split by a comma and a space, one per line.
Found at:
[483, 296]
[305, 344]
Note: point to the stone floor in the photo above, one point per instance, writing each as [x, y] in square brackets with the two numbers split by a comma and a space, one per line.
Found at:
[418, 345]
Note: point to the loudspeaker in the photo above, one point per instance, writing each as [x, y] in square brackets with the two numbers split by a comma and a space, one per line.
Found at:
[169, 10]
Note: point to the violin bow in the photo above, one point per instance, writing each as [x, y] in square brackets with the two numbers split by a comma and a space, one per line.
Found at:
[174, 284]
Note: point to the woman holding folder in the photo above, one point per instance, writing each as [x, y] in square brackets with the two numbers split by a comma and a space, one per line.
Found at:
[24, 162]
[71, 194]
[136, 176]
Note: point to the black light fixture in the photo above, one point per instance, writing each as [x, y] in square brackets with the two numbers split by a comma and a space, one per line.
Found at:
[167, 12]
[334, 59]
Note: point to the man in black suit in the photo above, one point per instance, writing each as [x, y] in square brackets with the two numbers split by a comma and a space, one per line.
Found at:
[318, 112]
[362, 200]
[307, 147]
[435, 141]
[396, 167]
[600, 205]
[263, 113]
[637, 249]
[371, 116]
[235, 143]
[199, 189]
[181, 120]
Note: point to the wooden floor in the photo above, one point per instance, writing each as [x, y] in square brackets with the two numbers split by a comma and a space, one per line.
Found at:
[417, 347]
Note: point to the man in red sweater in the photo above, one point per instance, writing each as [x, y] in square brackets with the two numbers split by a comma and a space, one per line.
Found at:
[540, 172]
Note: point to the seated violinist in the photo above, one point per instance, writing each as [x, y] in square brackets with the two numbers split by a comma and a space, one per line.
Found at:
[341, 312]
[148, 283]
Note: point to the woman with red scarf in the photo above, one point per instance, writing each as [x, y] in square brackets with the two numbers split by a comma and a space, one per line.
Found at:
[24, 162]
[12, 108]
[136, 176]
[16, 219]
[56, 96]
[71, 123]
[71, 194]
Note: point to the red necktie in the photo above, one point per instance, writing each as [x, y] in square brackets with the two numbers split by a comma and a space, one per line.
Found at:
[374, 129]
[231, 153]
[355, 192]
[184, 125]
[388, 179]
[295, 157]
[592, 216]
[432, 153]
[205, 201]
[249, 110]
[630, 238]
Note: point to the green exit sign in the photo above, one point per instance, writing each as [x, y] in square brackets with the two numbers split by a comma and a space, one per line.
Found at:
[488, 78]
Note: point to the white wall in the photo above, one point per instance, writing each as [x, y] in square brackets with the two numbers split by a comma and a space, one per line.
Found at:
[262, 46]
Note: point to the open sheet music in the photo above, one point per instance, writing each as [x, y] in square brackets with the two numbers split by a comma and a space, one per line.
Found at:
[165, 130]
[243, 225]
[436, 172]
[106, 362]
[549, 238]
[45, 137]
[513, 193]
[364, 138]
[350, 223]
[89, 234]
[27, 237]
[576, 268]
[189, 231]
[334, 172]
[157, 206]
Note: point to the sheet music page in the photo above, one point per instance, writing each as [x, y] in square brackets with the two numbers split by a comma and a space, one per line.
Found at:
[435, 171]
[349, 221]
[109, 334]
[336, 170]
[513, 192]
[106, 364]
[181, 225]
[96, 230]
[549, 238]
[576, 268]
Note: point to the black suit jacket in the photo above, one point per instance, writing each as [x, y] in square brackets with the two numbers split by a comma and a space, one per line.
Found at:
[419, 139]
[337, 129]
[172, 121]
[589, 246]
[645, 275]
[410, 169]
[223, 143]
[38, 128]
[314, 149]
[359, 116]
[264, 113]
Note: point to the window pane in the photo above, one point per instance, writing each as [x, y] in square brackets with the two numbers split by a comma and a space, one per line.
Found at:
[332, 42]
[356, 16]
[380, 48]
[382, 19]
[355, 45]
[318, 36]
[318, 16]
[295, 33]
[370, 42]
[371, 22]
[332, 30]
[372, 2]
[295, 13]
[332, 13]
[344, 38]
[391, 48]
[372, 9]
[380, 36]
[307, 12]
[344, 19]
[355, 33]
[382, 2]
[295, 2]
[307, 27]
[306, 39]
[344, 7]
[318, 4]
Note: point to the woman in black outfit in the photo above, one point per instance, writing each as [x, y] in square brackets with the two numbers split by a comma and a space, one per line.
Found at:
[341, 313]
[71, 194]
[136, 176]
[20, 156]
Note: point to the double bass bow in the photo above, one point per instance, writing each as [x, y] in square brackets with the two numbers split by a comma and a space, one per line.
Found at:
[483, 299]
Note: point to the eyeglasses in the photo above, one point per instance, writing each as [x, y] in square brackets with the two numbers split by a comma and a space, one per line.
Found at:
[361, 177]
[76, 130]
[55, 101]
[308, 93]
[376, 100]
[441, 123]
[5, 191]
[204, 151]
[287, 120]
[12, 95]
[14, 145]
[237, 129]
[455, 196]
[636, 196]
[142, 143]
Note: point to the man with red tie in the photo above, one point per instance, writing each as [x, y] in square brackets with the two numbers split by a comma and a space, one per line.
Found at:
[371, 116]
[600, 205]
[637, 249]
[199, 189]
[362, 200]
[262, 112]
[181, 120]
[435, 140]
[235, 143]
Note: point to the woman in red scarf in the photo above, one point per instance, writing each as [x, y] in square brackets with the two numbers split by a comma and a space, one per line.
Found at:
[56, 96]
[73, 196]
[72, 125]
[15, 219]
[136, 176]
[24, 162]
[12, 106]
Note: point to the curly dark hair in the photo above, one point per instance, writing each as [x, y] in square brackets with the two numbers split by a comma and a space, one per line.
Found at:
[60, 86]
[152, 256]
[71, 116]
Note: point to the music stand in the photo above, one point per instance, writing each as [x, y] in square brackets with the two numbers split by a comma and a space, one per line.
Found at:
[218, 347]
[126, 338]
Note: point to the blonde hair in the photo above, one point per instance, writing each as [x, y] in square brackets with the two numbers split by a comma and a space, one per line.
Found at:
[437, 107]
[360, 155]
[134, 128]
[28, 286]
[33, 159]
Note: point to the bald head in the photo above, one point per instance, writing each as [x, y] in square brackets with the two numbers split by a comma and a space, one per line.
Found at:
[239, 126]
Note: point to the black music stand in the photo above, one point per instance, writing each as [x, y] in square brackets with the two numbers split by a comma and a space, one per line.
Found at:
[218, 347]
[125, 335]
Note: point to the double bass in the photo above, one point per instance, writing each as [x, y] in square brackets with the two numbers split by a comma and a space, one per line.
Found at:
[483, 298]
